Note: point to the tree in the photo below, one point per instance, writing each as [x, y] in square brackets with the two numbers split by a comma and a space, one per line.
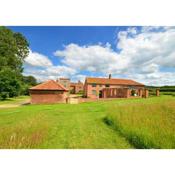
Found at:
[28, 81]
[14, 48]
[9, 84]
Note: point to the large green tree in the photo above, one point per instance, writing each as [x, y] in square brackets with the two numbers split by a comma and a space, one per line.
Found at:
[13, 49]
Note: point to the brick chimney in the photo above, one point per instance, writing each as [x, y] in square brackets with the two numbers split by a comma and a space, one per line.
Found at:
[109, 76]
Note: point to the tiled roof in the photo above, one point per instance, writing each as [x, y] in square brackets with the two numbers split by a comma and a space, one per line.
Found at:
[49, 85]
[112, 81]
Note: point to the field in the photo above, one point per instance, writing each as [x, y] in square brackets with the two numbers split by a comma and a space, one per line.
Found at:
[121, 123]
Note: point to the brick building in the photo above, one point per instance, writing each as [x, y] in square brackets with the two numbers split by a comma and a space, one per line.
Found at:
[76, 87]
[112, 88]
[48, 92]
[65, 82]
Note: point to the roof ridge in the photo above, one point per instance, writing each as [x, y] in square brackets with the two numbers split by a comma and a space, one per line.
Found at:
[112, 81]
[47, 86]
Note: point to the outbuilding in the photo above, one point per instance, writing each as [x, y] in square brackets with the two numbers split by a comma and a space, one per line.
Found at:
[48, 92]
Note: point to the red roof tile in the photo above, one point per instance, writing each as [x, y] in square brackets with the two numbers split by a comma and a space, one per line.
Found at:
[112, 81]
[49, 85]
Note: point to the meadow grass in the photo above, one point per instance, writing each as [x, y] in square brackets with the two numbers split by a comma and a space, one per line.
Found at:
[145, 125]
[89, 125]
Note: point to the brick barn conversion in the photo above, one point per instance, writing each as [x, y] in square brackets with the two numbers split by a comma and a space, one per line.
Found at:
[113, 88]
[48, 92]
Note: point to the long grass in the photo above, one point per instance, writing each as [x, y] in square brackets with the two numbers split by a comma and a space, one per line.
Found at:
[145, 125]
[27, 133]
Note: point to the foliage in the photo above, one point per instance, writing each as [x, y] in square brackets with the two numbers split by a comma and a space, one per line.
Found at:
[10, 85]
[28, 81]
[13, 50]
[164, 90]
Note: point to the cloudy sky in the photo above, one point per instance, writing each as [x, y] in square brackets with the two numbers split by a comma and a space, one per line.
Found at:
[145, 54]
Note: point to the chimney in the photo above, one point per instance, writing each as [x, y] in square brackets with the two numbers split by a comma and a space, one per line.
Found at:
[109, 76]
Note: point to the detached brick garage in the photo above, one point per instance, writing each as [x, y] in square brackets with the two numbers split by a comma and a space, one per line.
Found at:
[48, 92]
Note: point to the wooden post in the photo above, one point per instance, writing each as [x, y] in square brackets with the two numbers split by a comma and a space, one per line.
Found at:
[157, 92]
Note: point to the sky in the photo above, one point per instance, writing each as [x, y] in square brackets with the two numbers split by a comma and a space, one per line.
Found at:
[143, 53]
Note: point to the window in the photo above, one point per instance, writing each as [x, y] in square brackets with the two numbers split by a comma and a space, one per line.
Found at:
[107, 85]
[94, 92]
[93, 85]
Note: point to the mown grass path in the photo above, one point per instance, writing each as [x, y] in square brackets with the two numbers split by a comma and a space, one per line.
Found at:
[82, 126]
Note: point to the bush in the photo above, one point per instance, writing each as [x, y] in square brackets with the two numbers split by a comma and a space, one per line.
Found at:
[4, 95]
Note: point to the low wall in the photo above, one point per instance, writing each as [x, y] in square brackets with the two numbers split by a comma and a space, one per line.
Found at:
[84, 100]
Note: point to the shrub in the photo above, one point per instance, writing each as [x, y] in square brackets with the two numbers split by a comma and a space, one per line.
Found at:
[4, 95]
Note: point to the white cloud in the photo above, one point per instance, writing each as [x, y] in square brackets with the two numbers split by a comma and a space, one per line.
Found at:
[144, 53]
[41, 67]
[95, 58]
[50, 72]
[37, 59]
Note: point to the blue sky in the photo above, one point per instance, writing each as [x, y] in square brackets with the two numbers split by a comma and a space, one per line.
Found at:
[48, 39]
[145, 54]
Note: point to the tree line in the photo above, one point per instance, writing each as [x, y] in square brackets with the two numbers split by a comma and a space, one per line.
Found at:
[14, 48]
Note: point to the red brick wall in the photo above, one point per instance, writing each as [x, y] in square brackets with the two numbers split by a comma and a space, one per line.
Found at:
[88, 88]
[116, 93]
[40, 97]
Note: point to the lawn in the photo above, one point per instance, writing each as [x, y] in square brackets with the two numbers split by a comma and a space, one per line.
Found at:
[90, 125]
[15, 100]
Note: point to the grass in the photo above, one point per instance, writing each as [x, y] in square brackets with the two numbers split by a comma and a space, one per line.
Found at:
[145, 125]
[16, 100]
[88, 125]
